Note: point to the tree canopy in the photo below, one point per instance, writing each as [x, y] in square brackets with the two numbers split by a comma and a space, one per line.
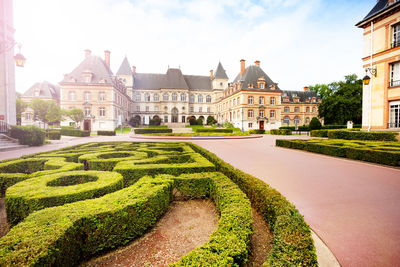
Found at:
[76, 114]
[46, 110]
[341, 101]
[20, 107]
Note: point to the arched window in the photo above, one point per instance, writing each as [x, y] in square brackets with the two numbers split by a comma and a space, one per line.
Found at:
[208, 99]
[313, 109]
[286, 109]
[286, 120]
[200, 98]
[174, 97]
[307, 109]
[147, 97]
[250, 100]
[183, 97]
[156, 97]
[296, 120]
[307, 120]
[165, 97]
[191, 98]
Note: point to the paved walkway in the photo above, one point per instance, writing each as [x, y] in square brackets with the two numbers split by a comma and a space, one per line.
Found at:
[353, 206]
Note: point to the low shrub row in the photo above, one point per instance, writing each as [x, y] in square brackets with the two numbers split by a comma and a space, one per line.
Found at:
[106, 161]
[358, 135]
[28, 135]
[74, 132]
[280, 132]
[152, 130]
[256, 131]
[304, 128]
[53, 134]
[387, 153]
[319, 133]
[292, 244]
[109, 133]
[213, 130]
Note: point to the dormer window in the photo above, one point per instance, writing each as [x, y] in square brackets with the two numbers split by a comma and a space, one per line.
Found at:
[37, 92]
[251, 85]
[296, 99]
[313, 99]
[87, 76]
[286, 99]
[261, 83]
[102, 80]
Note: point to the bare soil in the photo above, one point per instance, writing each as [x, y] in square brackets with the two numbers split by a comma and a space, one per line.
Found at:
[4, 226]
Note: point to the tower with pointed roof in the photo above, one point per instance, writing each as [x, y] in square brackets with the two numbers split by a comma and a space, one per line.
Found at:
[126, 75]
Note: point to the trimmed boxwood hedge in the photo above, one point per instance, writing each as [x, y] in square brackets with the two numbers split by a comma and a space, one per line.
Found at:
[256, 131]
[292, 244]
[280, 132]
[53, 134]
[110, 133]
[319, 133]
[213, 130]
[106, 161]
[74, 132]
[387, 153]
[152, 130]
[57, 189]
[28, 135]
[358, 135]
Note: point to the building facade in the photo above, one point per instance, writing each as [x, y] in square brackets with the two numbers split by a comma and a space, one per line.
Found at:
[254, 101]
[381, 97]
[92, 87]
[7, 68]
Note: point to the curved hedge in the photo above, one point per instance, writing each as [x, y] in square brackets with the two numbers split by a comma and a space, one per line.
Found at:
[152, 130]
[106, 161]
[213, 130]
[57, 189]
[358, 135]
[280, 132]
[256, 131]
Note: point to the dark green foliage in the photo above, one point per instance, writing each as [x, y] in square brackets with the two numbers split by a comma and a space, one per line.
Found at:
[192, 121]
[315, 124]
[382, 152]
[280, 132]
[211, 120]
[256, 131]
[213, 130]
[74, 132]
[319, 133]
[199, 121]
[110, 133]
[53, 134]
[155, 121]
[272, 205]
[292, 128]
[330, 127]
[358, 135]
[152, 130]
[28, 135]
[9, 179]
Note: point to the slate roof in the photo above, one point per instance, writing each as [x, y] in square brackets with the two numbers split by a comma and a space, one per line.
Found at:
[304, 95]
[173, 79]
[381, 6]
[220, 72]
[251, 75]
[94, 65]
[46, 90]
[125, 68]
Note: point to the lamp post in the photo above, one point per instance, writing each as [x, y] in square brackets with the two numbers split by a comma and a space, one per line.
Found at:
[366, 82]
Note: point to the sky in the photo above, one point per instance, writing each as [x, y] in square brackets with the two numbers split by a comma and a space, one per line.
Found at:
[299, 42]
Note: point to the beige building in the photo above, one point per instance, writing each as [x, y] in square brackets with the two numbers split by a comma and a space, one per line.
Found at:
[254, 101]
[92, 87]
[381, 97]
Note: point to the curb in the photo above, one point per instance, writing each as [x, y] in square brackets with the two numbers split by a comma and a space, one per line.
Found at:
[195, 137]
[325, 256]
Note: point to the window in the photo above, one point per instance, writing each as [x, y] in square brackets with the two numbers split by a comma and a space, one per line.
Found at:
[87, 112]
[261, 113]
[261, 100]
[200, 98]
[183, 97]
[296, 120]
[272, 100]
[156, 108]
[396, 35]
[87, 96]
[394, 114]
[156, 97]
[87, 79]
[208, 99]
[313, 109]
[147, 97]
[191, 109]
[272, 114]
[166, 118]
[165, 97]
[250, 125]
[307, 120]
[27, 116]
[208, 109]
[137, 108]
[286, 120]
[200, 109]
[296, 109]
[137, 97]
[262, 85]
[102, 112]
[234, 102]
[250, 100]
[147, 109]
[72, 96]
[102, 96]
[286, 109]
[174, 97]
[307, 109]
[395, 74]
[191, 99]
[250, 113]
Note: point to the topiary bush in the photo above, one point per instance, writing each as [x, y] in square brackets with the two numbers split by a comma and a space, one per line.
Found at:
[109, 133]
[28, 135]
[280, 132]
[53, 134]
[152, 130]
[74, 132]
[319, 133]
[315, 124]
[257, 131]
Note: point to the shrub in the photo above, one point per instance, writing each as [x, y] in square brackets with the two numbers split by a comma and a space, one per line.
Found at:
[315, 124]
[213, 130]
[330, 127]
[28, 135]
[53, 134]
[155, 121]
[304, 128]
[228, 125]
[152, 130]
[106, 133]
[358, 135]
[74, 132]
[199, 121]
[211, 120]
[192, 121]
[319, 133]
[292, 128]
[256, 131]
[281, 132]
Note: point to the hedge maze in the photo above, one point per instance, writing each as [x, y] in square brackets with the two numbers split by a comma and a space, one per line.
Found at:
[68, 205]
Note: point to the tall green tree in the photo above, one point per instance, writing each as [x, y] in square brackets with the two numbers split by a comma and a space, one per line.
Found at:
[46, 111]
[341, 101]
[20, 107]
[76, 114]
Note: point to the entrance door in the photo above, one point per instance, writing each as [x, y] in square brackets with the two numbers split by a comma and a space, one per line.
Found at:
[261, 125]
[86, 125]
[175, 114]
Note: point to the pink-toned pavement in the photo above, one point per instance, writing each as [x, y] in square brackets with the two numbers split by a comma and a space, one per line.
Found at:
[353, 206]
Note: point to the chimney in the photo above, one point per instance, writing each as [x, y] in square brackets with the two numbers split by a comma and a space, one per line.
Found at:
[242, 66]
[107, 58]
[391, 2]
[211, 74]
[133, 70]
[87, 53]
[257, 62]
[305, 88]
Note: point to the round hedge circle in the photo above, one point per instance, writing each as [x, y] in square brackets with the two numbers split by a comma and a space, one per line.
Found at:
[106, 161]
[58, 189]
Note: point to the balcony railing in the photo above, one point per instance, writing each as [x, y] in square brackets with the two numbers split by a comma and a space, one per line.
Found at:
[4, 127]
[394, 124]
[396, 43]
[394, 83]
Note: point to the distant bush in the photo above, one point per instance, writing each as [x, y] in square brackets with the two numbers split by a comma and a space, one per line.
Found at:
[208, 130]
[106, 133]
[74, 132]
[281, 132]
[53, 134]
[256, 131]
[315, 124]
[28, 135]
[329, 127]
[211, 120]
[152, 130]
[200, 121]
[358, 135]
[319, 133]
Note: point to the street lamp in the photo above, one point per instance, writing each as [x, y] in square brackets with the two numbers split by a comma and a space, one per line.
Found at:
[366, 81]
[366, 78]
[19, 58]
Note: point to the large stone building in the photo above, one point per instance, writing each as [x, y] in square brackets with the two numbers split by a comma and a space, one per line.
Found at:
[7, 69]
[254, 101]
[381, 96]
[92, 87]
